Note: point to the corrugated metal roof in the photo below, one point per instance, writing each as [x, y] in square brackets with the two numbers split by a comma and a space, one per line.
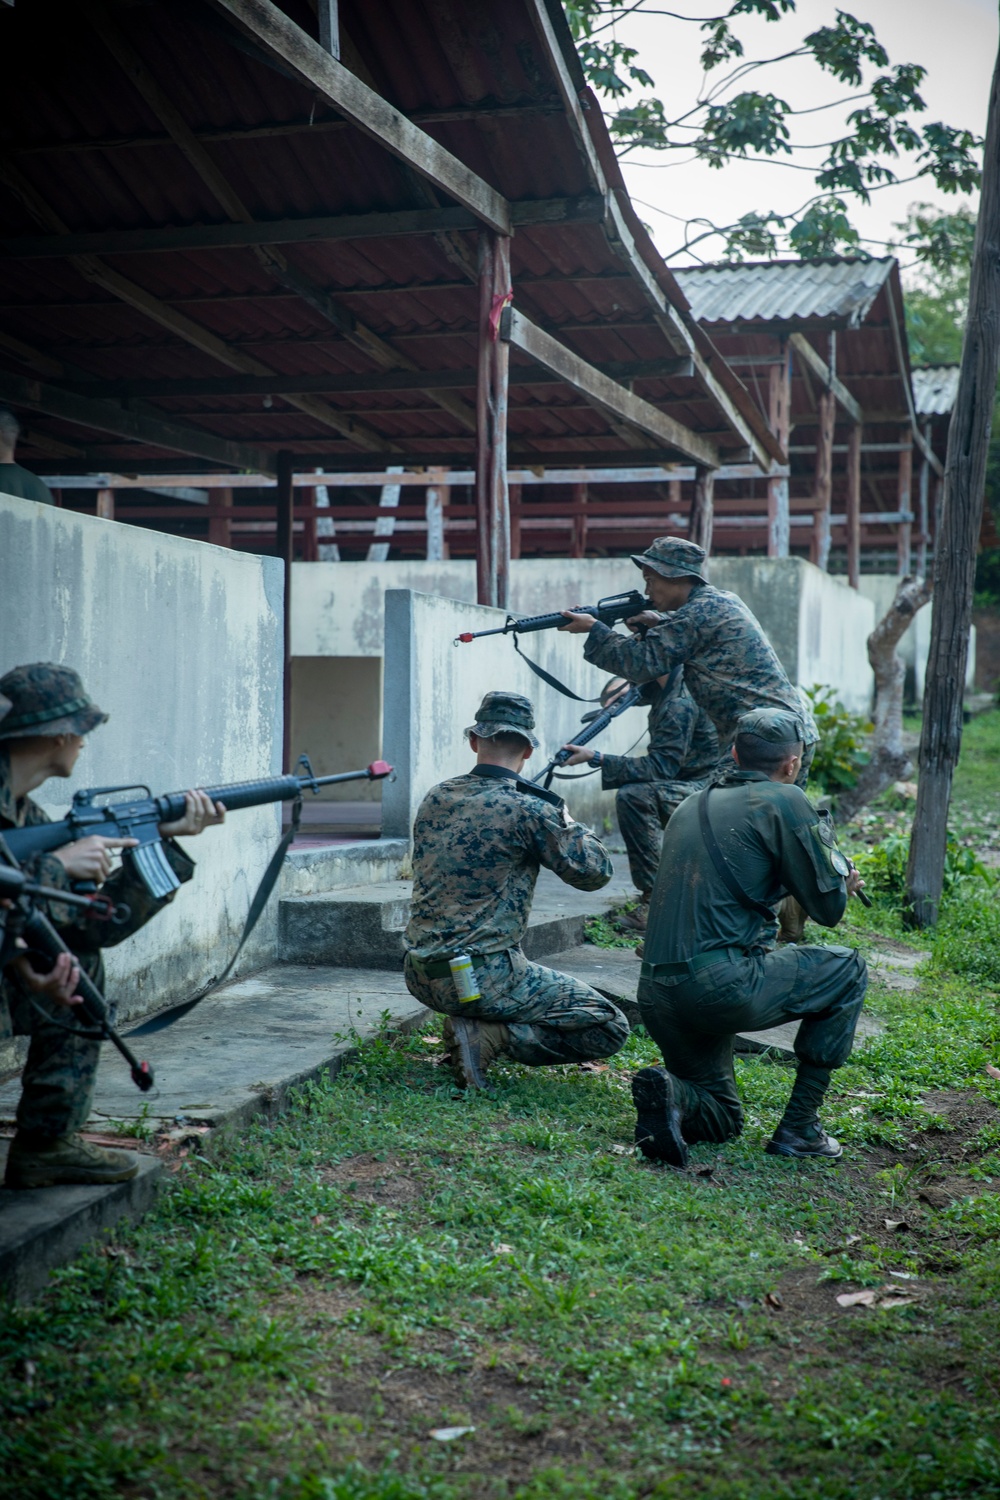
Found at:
[934, 390]
[768, 291]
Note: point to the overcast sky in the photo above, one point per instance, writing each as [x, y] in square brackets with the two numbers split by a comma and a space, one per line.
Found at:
[955, 40]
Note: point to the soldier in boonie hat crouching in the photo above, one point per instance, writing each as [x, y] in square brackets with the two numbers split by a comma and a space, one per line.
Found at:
[479, 841]
[710, 969]
[730, 667]
[45, 712]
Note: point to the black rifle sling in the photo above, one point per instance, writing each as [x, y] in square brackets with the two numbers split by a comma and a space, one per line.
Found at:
[260, 900]
[547, 677]
[722, 865]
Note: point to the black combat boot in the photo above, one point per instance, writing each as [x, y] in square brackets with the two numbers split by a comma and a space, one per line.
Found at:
[804, 1140]
[658, 1127]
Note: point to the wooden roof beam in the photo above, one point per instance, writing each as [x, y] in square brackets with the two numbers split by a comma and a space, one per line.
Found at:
[601, 391]
[823, 373]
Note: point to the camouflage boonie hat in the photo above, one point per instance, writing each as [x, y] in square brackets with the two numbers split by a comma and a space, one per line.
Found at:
[778, 726]
[504, 713]
[46, 698]
[673, 557]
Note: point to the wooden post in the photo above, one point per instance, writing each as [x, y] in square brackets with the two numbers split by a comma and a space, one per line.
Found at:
[436, 500]
[105, 507]
[578, 542]
[702, 508]
[386, 525]
[515, 521]
[329, 27]
[220, 532]
[284, 547]
[923, 514]
[326, 548]
[779, 417]
[492, 501]
[307, 497]
[674, 494]
[903, 488]
[819, 551]
[854, 505]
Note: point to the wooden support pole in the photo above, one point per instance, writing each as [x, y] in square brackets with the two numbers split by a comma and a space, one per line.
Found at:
[329, 27]
[105, 507]
[492, 499]
[819, 551]
[904, 486]
[674, 493]
[854, 506]
[307, 497]
[437, 497]
[923, 514]
[385, 525]
[578, 545]
[779, 407]
[284, 547]
[220, 532]
[515, 521]
[703, 509]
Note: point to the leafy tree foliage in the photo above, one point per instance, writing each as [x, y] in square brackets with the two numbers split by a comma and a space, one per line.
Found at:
[727, 122]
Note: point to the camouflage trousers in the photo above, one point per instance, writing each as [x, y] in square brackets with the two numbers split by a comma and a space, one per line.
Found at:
[552, 1017]
[57, 1084]
[694, 1018]
[644, 809]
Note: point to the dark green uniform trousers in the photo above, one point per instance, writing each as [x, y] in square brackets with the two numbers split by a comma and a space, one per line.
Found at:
[57, 1085]
[694, 1018]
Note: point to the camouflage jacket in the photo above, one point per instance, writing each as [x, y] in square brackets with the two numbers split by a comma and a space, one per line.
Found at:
[683, 745]
[478, 843]
[774, 842]
[729, 665]
[123, 887]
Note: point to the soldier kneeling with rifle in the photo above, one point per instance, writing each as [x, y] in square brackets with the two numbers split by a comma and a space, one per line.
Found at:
[478, 843]
[41, 735]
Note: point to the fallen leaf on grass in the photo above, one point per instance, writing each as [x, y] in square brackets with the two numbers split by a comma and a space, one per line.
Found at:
[503, 1249]
[449, 1434]
[894, 1224]
[774, 1299]
[592, 1067]
[430, 1041]
[621, 1150]
[880, 1297]
[992, 1071]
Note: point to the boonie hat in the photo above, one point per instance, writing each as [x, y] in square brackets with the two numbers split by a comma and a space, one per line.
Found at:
[505, 713]
[778, 726]
[46, 698]
[673, 557]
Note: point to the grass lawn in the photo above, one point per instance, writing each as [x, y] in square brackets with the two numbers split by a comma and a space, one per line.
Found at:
[306, 1309]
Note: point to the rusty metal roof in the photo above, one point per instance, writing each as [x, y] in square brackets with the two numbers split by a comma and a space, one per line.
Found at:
[839, 288]
[934, 389]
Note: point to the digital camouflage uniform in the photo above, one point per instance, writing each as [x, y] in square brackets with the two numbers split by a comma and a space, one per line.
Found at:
[478, 843]
[709, 969]
[730, 667]
[57, 1085]
[682, 756]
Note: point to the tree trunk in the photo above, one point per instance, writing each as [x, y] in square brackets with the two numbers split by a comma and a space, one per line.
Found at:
[889, 760]
[955, 551]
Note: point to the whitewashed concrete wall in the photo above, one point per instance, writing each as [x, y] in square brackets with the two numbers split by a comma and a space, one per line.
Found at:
[181, 643]
[880, 588]
[432, 689]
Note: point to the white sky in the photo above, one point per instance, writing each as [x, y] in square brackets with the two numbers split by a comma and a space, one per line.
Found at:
[955, 40]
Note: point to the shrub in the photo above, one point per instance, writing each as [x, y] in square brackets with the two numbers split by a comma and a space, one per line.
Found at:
[842, 748]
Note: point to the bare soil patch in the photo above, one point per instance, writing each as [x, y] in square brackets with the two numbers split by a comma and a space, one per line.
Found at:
[387, 1181]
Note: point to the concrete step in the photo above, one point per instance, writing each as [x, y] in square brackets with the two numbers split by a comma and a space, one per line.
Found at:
[310, 867]
[363, 925]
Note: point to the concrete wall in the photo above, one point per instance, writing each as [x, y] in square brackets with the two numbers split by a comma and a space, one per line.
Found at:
[337, 720]
[433, 688]
[880, 588]
[182, 644]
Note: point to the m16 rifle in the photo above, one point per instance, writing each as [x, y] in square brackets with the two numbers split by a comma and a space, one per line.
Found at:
[597, 724]
[609, 611]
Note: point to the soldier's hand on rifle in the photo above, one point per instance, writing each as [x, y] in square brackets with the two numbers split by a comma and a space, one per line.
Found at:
[855, 881]
[59, 984]
[576, 623]
[89, 859]
[644, 621]
[199, 812]
[579, 754]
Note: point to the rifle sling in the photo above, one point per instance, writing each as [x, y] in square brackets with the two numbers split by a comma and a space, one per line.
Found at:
[260, 900]
[547, 677]
[723, 868]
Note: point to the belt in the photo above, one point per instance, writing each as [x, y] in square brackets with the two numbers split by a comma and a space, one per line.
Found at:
[440, 968]
[692, 965]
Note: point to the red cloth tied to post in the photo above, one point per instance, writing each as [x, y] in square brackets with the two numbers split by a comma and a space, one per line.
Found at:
[500, 301]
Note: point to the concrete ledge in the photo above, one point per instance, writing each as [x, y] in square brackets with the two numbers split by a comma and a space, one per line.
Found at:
[332, 867]
[43, 1228]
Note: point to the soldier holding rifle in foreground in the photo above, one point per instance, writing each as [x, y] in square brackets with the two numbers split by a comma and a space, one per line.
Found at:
[41, 735]
[729, 665]
[710, 971]
[478, 843]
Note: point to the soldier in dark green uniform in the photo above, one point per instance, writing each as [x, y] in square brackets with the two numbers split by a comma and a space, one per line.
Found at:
[41, 735]
[682, 756]
[479, 841]
[729, 855]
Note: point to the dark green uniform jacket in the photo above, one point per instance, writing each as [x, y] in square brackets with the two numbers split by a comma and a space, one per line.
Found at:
[775, 843]
[16, 480]
[683, 745]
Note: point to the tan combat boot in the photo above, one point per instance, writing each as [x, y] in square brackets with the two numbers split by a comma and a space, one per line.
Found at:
[636, 920]
[474, 1045]
[39, 1161]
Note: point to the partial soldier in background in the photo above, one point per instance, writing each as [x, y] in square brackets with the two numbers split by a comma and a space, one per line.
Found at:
[15, 479]
[682, 757]
[42, 735]
[730, 667]
[730, 853]
[479, 841]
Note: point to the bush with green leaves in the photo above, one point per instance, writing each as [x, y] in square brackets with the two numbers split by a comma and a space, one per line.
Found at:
[842, 750]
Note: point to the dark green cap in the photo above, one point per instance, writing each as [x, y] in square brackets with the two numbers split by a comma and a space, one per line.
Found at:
[46, 698]
[778, 726]
[673, 557]
[505, 713]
